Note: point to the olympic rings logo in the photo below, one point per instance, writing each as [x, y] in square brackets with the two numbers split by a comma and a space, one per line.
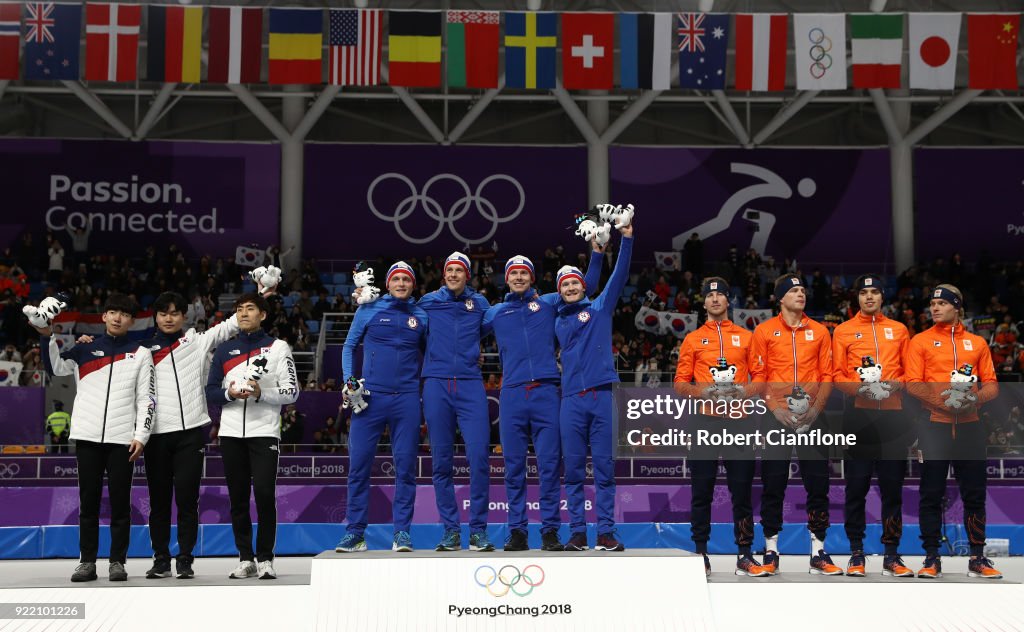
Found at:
[416, 200]
[9, 470]
[500, 582]
[821, 45]
[387, 468]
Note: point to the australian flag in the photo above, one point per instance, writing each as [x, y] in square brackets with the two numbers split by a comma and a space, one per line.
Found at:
[703, 42]
[53, 36]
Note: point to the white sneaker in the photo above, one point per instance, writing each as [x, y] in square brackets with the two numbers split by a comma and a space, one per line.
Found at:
[266, 570]
[246, 569]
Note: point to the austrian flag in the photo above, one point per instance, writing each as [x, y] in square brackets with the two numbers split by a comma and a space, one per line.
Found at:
[112, 41]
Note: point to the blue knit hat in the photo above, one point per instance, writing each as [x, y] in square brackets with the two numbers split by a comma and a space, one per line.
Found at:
[400, 267]
[519, 262]
[458, 259]
[787, 283]
[568, 272]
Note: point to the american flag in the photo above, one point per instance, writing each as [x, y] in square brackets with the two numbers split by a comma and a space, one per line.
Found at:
[355, 41]
[691, 31]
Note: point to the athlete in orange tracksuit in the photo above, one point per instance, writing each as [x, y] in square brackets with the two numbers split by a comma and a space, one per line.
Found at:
[791, 356]
[713, 364]
[950, 370]
[867, 353]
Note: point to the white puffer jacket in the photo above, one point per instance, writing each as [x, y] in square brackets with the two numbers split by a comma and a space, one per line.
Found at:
[116, 393]
[181, 363]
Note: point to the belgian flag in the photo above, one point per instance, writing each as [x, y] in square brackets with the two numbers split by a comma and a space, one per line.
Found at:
[414, 43]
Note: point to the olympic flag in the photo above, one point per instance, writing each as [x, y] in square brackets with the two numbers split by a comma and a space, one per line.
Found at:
[819, 43]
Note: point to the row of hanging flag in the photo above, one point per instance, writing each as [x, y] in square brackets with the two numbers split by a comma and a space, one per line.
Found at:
[647, 43]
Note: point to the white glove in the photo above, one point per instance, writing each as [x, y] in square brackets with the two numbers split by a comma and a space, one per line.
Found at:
[353, 393]
[367, 294]
[42, 317]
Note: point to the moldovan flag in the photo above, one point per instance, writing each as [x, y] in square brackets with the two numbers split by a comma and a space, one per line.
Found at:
[588, 40]
[992, 50]
[761, 51]
[174, 44]
[645, 42]
[112, 41]
[236, 44]
[473, 38]
[934, 39]
[820, 50]
[530, 41]
[10, 40]
[296, 46]
[877, 41]
[414, 48]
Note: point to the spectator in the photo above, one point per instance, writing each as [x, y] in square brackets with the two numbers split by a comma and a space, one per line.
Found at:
[291, 427]
[56, 258]
[10, 354]
[693, 255]
[58, 426]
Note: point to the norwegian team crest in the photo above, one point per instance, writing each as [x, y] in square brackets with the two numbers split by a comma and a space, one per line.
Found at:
[470, 306]
[412, 322]
[534, 306]
[583, 316]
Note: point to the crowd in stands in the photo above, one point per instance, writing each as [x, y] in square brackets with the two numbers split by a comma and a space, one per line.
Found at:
[39, 266]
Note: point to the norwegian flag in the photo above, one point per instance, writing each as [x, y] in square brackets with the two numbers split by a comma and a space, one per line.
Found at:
[10, 40]
[691, 32]
[112, 41]
[355, 43]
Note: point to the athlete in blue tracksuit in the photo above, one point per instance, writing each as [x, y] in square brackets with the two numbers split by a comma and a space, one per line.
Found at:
[392, 330]
[453, 392]
[524, 326]
[584, 330]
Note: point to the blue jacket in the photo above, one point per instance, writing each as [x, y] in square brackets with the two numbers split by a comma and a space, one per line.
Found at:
[524, 327]
[584, 331]
[392, 333]
[453, 342]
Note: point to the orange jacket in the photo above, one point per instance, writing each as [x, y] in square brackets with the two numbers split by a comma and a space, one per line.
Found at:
[701, 350]
[884, 341]
[934, 354]
[783, 357]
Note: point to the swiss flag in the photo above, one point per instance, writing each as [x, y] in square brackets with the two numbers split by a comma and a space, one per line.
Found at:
[761, 51]
[587, 43]
[112, 41]
[992, 50]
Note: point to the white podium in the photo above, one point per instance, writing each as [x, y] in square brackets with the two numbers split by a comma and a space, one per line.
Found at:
[644, 589]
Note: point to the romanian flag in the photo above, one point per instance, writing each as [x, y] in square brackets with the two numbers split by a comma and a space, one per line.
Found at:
[175, 44]
[414, 43]
[296, 46]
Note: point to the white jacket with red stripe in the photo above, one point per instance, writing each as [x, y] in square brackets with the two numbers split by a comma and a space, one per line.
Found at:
[180, 362]
[234, 361]
[116, 398]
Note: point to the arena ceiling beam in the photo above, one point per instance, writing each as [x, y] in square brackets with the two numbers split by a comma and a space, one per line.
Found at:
[474, 112]
[787, 112]
[155, 112]
[99, 107]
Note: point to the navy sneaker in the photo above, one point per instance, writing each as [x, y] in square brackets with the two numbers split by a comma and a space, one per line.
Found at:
[351, 543]
[402, 543]
[479, 542]
[451, 541]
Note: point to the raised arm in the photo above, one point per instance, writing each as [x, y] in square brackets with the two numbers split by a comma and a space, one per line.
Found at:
[620, 274]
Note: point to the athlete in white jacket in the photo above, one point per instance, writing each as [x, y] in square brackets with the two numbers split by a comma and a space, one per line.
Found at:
[111, 421]
[251, 377]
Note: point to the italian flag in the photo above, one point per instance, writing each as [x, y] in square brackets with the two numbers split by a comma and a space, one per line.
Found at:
[877, 49]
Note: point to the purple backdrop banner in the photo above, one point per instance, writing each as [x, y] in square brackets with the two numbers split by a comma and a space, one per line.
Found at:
[33, 506]
[202, 197]
[416, 200]
[22, 410]
[975, 190]
[813, 205]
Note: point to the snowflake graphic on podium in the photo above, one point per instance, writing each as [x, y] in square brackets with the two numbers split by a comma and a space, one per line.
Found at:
[721, 496]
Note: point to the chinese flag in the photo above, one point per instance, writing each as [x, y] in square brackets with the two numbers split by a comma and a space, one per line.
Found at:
[992, 50]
